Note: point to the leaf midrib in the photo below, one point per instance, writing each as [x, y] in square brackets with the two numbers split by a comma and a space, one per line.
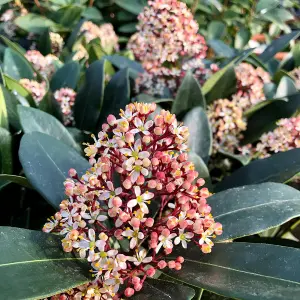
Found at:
[255, 206]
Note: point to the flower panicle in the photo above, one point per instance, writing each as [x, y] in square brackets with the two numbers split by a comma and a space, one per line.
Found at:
[141, 191]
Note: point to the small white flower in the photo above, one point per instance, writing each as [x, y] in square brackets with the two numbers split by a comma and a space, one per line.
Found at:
[141, 127]
[183, 238]
[140, 257]
[141, 200]
[165, 241]
[134, 236]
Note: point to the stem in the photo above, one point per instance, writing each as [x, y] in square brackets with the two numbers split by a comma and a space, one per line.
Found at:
[91, 3]
[194, 6]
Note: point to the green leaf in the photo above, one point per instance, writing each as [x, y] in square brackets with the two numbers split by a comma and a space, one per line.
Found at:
[264, 5]
[16, 88]
[16, 66]
[66, 76]
[68, 16]
[296, 54]
[89, 99]
[4, 1]
[6, 159]
[11, 102]
[201, 168]
[35, 23]
[277, 45]
[216, 30]
[3, 110]
[251, 209]
[33, 119]
[116, 95]
[34, 262]
[221, 49]
[46, 162]
[6, 179]
[44, 42]
[200, 138]
[243, 270]
[279, 167]
[242, 38]
[243, 159]
[128, 28]
[74, 35]
[133, 6]
[163, 290]
[278, 16]
[92, 13]
[188, 96]
[13, 45]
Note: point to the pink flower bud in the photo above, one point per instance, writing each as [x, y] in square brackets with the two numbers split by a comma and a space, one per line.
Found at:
[111, 120]
[171, 264]
[150, 272]
[72, 173]
[218, 228]
[183, 224]
[152, 184]
[146, 162]
[191, 213]
[170, 187]
[162, 264]
[140, 180]
[138, 287]
[135, 280]
[177, 266]
[105, 127]
[118, 234]
[146, 139]
[159, 120]
[117, 202]
[129, 138]
[127, 184]
[129, 292]
[204, 192]
[172, 222]
[155, 161]
[160, 175]
[200, 182]
[154, 236]
[183, 200]
[186, 185]
[159, 186]
[180, 259]
[158, 131]
[149, 222]
[124, 217]
[206, 248]
[152, 244]
[183, 157]
[135, 222]
[165, 232]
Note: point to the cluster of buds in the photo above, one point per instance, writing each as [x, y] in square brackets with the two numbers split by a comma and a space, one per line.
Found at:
[285, 137]
[296, 74]
[36, 89]
[141, 192]
[106, 34]
[250, 85]
[43, 64]
[168, 44]
[80, 52]
[57, 43]
[66, 99]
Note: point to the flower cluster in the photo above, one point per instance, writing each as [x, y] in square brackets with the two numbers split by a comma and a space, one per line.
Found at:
[80, 52]
[57, 43]
[296, 75]
[250, 85]
[106, 34]
[227, 123]
[36, 89]
[66, 99]
[168, 44]
[43, 64]
[142, 192]
[285, 137]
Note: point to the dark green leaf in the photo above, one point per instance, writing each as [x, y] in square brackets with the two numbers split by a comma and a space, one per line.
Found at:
[35, 23]
[16, 66]
[277, 45]
[145, 98]
[36, 120]
[128, 28]
[4, 1]
[46, 162]
[89, 99]
[251, 209]
[264, 5]
[163, 290]
[200, 138]
[6, 159]
[3, 109]
[12, 45]
[278, 16]
[242, 38]
[280, 167]
[243, 271]
[188, 96]
[66, 76]
[74, 35]
[133, 6]
[6, 179]
[44, 42]
[35, 262]
[296, 54]
[221, 49]
[243, 159]
[116, 95]
[68, 15]
[216, 30]
[92, 13]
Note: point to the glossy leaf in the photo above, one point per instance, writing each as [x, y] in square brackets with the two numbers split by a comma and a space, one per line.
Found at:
[243, 159]
[251, 209]
[44, 42]
[35, 120]
[277, 45]
[66, 76]
[92, 13]
[163, 290]
[116, 95]
[200, 138]
[216, 30]
[133, 6]
[13, 45]
[242, 38]
[16, 66]
[243, 271]
[221, 49]
[280, 167]
[46, 162]
[35, 262]
[89, 99]
[6, 159]
[68, 15]
[6, 179]
[3, 110]
[188, 96]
